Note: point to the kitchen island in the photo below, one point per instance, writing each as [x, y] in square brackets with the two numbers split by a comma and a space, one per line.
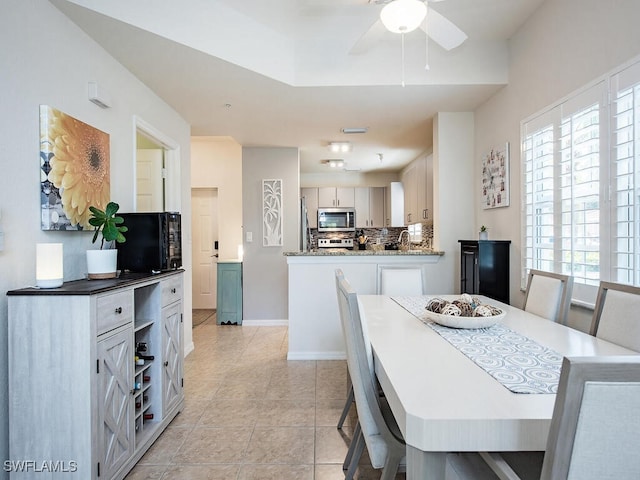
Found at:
[315, 332]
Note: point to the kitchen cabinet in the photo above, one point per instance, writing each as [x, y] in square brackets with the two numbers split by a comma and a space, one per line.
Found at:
[484, 268]
[336, 197]
[311, 196]
[394, 205]
[410, 185]
[425, 189]
[417, 181]
[369, 205]
[229, 292]
[77, 393]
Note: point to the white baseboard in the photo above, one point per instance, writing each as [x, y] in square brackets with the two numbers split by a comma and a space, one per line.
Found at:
[188, 349]
[265, 323]
[316, 356]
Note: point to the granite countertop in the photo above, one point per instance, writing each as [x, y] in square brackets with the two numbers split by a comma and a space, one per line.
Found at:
[337, 252]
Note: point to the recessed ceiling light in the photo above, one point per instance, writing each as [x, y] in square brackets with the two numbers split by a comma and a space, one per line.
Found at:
[335, 163]
[340, 147]
[355, 130]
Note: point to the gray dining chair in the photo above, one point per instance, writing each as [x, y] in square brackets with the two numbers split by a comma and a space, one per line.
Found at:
[616, 317]
[378, 430]
[594, 433]
[548, 295]
[392, 280]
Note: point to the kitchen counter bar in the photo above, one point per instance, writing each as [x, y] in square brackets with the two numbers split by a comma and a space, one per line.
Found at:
[314, 325]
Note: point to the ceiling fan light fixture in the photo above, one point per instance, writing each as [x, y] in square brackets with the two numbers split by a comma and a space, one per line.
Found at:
[403, 16]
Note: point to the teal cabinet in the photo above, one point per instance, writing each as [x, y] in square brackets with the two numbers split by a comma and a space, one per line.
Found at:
[229, 309]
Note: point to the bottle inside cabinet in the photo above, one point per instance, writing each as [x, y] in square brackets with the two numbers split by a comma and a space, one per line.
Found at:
[147, 342]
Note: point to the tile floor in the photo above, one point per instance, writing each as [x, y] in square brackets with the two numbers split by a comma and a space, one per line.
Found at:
[252, 415]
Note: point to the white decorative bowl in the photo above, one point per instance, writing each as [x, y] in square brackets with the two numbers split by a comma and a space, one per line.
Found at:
[464, 322]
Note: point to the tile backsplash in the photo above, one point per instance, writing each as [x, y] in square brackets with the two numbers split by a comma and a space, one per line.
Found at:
[386, 235]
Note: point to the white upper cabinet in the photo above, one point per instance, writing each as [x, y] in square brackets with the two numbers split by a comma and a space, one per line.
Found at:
[336, 197]
[369, 204]
[410, 185]
[394, 205]
[417, 181]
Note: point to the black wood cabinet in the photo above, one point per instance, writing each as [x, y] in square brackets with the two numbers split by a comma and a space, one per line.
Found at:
[484, 268]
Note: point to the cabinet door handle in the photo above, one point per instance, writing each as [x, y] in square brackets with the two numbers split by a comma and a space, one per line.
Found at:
[119, 310]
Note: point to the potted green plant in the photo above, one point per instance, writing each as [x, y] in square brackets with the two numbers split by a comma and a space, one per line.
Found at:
[103, 263]
[483, 234]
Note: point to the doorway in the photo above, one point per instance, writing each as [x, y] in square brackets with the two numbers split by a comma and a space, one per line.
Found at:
[204, 229]
[157, 170]
[150, 171]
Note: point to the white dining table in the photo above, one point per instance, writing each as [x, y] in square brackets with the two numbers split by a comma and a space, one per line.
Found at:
[444, 402]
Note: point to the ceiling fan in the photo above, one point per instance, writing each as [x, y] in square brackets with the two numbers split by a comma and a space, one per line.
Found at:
[440, 29]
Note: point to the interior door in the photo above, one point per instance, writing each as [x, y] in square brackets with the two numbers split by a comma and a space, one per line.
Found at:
[149, 184]
[204, 203]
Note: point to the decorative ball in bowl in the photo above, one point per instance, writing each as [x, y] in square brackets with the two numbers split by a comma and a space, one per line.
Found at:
[463, 312]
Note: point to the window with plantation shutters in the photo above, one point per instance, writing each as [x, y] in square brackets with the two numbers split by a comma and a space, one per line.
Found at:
[581, 185]
[625, 184]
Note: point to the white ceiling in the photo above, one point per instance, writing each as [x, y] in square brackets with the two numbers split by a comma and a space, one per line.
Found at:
[283, 73]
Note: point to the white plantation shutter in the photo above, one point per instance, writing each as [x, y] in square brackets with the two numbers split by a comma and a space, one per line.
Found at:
[625, 174]
[561, 155]
[538, 189]
[580, 148]
[581, 185]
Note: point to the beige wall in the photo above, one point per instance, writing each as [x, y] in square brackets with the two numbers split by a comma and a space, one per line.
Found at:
[565, 45]
[216, 162]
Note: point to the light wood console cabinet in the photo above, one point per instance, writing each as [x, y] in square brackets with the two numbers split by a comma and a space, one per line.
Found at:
[79, 401]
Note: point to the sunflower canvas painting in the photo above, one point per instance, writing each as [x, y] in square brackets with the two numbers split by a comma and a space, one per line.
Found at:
[74, 170]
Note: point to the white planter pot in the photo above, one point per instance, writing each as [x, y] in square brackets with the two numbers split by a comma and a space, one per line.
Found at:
[102, 263]
[483, 235]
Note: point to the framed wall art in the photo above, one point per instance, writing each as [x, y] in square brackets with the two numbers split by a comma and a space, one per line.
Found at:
[74, 170]
[495, 178]
[272, 213]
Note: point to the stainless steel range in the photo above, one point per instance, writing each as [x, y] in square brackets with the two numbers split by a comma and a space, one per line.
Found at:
[335, 243]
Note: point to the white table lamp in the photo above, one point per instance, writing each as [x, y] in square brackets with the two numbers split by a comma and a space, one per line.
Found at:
[49, 271]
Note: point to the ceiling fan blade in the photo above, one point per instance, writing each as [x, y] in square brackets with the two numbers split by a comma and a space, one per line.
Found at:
[370, 38]
[443, 31]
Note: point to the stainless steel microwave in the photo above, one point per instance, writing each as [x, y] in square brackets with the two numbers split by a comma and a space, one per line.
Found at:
[336, 220]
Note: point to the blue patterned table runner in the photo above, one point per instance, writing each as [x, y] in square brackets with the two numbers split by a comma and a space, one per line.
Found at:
[514, 360]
